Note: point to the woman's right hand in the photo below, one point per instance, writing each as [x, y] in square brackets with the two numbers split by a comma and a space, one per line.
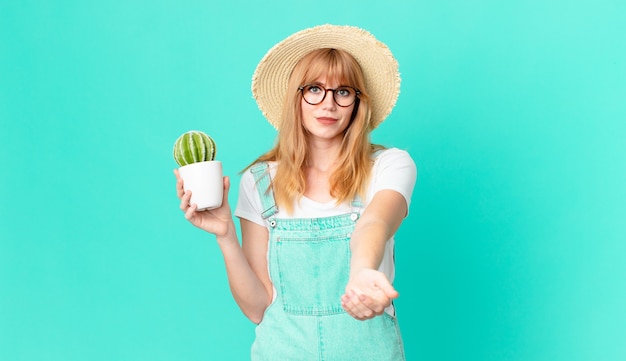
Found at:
[217, 221]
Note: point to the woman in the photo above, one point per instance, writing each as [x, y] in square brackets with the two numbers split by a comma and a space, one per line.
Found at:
[318, 212]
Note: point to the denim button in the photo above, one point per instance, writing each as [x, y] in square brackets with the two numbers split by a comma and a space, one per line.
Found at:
[354, 217]
[272, 223]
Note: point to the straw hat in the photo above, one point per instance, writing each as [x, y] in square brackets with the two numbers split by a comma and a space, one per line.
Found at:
[380, 68]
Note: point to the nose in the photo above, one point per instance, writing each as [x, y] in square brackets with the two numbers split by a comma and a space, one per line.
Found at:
[329, 99]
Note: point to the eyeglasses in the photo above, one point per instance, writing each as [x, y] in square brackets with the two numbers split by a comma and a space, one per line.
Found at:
[344, 96]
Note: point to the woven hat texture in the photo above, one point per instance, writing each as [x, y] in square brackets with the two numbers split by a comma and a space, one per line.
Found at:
[380, 68]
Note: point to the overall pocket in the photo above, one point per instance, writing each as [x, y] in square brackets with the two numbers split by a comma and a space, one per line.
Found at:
[313, 274]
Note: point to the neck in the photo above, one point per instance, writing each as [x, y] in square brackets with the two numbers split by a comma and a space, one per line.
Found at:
[323, 156]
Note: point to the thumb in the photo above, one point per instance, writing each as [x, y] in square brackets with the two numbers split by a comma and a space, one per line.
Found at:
[387, 288]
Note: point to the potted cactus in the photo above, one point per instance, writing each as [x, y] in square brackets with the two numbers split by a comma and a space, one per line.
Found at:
[194, 151]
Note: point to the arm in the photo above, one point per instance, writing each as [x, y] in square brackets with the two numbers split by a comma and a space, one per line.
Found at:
[253, 298]
[369, 291]
[246, 265]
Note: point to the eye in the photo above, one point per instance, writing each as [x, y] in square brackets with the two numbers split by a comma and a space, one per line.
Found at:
[344, 91]
[314, 89]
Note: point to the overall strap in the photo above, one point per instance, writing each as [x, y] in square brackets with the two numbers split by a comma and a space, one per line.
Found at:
[357, 208]
[263, 181]
[356, 202]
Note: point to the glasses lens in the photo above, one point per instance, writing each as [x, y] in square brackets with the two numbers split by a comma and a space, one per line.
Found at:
[313, 94]
[344, 96]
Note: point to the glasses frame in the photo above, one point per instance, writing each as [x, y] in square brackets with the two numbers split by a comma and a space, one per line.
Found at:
[357, 92]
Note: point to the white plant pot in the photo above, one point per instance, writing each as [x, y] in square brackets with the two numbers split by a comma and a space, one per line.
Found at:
[206, 183]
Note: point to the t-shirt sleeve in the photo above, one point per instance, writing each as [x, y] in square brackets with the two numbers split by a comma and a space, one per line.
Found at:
[395, 170]
[248, 203]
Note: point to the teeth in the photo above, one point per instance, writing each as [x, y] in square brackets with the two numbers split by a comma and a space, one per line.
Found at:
[193, 147]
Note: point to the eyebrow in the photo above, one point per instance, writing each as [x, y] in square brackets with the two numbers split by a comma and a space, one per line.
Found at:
[325, 86]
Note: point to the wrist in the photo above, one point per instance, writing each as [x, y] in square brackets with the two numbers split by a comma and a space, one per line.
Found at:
[228, 237]
[355, 269]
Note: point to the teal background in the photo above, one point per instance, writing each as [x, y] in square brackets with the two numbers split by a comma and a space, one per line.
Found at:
[515, 113]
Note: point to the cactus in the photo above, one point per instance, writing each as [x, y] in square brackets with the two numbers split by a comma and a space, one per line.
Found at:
[193, 147]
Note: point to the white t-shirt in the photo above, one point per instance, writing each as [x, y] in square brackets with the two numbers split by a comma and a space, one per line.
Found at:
[393, 169]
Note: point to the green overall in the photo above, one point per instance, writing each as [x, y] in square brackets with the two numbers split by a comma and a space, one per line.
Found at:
[309, 264]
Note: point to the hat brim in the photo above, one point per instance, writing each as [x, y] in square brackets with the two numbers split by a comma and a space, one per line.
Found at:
[380, 68]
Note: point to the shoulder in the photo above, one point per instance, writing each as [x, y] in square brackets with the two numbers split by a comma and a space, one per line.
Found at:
[392, 152]
[249, 203]
[247, 177]
[393, 156]
[394, 169]
[255, 171]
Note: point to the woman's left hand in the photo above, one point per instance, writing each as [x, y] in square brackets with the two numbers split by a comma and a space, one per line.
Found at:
[367, 295]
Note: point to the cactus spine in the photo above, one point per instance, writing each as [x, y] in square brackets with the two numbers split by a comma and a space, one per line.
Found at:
[193, 147]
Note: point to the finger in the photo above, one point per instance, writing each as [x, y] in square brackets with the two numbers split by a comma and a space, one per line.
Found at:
[388, 290]
[347, 304]
[369, 305]
[179, 184]
[360, 312]
[184, 201]
[179, 188]
[377, 306]
[355, 307]
[349, 308]
[226, 189]
[191, 212]
[385, 286]
[344, 299]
